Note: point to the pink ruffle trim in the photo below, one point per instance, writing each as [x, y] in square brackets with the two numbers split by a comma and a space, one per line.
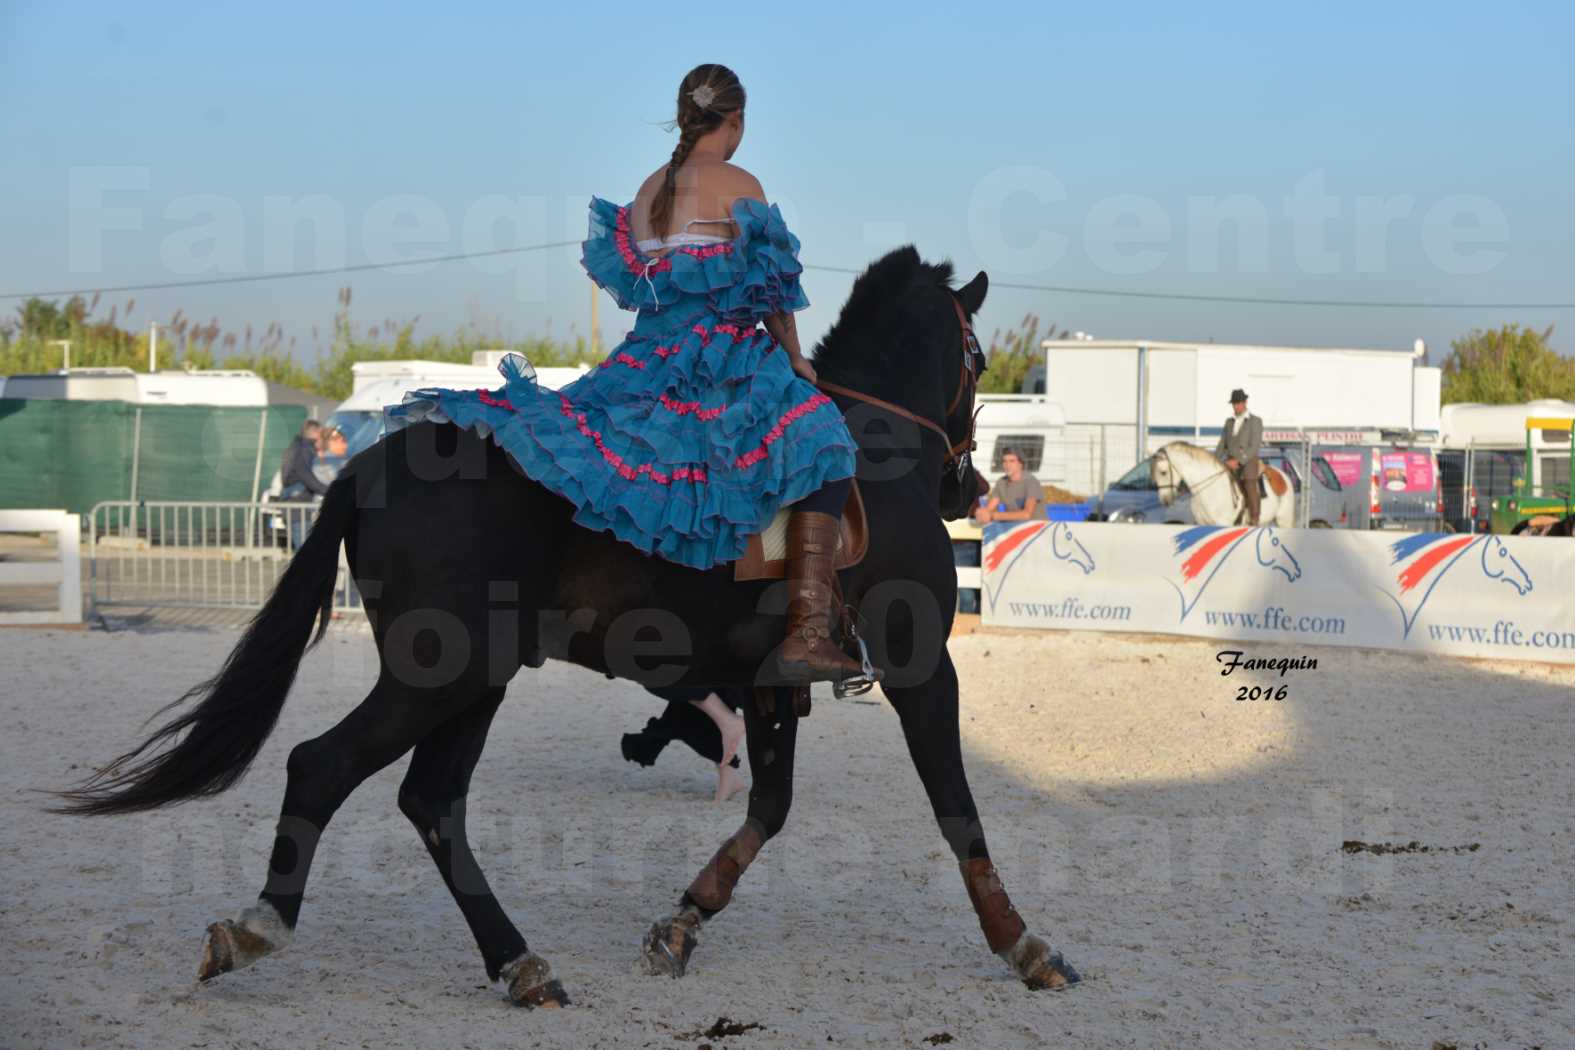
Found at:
[753, 456]
[644, 470]
[683, 408]
[486, 398]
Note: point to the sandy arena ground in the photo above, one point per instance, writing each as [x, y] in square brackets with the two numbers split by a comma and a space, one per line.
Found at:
[1182, 848]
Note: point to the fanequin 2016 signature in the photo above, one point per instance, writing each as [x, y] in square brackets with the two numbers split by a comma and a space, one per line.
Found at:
[1233, 658]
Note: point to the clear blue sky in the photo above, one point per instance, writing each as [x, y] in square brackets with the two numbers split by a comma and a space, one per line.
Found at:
[976, 134]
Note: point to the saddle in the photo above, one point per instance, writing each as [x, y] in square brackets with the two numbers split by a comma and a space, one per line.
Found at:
[765, 558]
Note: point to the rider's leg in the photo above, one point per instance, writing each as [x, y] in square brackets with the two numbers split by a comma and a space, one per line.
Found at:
[731, 725]
[808, 654]
[1250, 472]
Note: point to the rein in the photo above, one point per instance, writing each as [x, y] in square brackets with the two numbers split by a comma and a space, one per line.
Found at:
[967, 379]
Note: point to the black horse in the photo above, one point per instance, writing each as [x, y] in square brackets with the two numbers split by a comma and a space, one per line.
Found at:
[470, 570]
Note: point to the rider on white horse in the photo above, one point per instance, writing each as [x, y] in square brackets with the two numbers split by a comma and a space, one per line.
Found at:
[1240, 441]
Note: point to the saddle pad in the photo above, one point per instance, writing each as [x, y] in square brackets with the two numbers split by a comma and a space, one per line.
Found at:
[766, 556]
[1276, 481]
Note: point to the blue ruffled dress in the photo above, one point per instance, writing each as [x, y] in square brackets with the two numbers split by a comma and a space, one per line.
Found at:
[695, 429]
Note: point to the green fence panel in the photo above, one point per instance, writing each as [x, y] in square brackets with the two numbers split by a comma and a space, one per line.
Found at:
[202, 453]
[68, 454]
[74, 454]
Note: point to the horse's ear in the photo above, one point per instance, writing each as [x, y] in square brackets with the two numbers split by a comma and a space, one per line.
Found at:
[972, 294]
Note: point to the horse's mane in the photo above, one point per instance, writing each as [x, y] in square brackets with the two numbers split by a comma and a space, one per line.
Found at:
[868, 333]
[1201, 456]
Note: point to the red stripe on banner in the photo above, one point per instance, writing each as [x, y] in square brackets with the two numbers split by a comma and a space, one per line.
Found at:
[1001, 548]
[1414, 573]
[1204, 554]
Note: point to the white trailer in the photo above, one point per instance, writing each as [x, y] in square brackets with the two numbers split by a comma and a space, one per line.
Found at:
[1483, 453]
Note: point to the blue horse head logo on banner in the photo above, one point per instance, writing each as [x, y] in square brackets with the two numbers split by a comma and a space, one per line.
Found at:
[1205, 549]
[1005, 542]
[1422, 561]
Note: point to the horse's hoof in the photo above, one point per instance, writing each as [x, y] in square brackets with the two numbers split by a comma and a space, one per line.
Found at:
[1039, 967]
[234, 944]
[669, 945]
[531, 983]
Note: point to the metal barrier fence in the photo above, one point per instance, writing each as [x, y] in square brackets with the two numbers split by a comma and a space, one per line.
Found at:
[198, 555]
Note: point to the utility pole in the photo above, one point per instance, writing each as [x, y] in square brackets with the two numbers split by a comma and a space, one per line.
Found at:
[66, 344]
[153, 346]
[593, 318]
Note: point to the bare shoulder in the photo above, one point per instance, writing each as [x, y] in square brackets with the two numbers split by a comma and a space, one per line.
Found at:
[740, 183]
[652, 183]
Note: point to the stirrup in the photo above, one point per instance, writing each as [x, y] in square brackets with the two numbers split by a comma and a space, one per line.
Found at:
[864, 681]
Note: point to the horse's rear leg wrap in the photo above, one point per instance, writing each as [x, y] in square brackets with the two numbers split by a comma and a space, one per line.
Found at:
[712, 889]
[1002, 926]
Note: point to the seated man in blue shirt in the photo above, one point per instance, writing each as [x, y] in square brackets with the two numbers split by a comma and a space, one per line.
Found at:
[1015, 497]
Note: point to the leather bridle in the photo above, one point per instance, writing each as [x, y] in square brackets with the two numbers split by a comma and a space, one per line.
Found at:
[969, 369]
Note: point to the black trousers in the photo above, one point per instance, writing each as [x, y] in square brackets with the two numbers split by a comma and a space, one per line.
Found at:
[681, 721]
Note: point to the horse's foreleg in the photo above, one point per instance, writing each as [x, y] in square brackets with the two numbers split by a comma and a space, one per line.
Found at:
[929, 723]
[671, 941]
[433, 798]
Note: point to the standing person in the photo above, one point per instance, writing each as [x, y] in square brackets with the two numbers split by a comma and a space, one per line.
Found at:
[1241, 439]
[1016, 496]
[701, 424]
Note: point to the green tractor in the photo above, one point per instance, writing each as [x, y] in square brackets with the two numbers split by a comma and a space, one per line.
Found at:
[1544, 499]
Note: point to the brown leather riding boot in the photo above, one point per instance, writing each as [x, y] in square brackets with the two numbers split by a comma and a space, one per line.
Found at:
[809, 654]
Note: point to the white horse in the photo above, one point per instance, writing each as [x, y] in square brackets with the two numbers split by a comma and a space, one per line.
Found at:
[1216, 498]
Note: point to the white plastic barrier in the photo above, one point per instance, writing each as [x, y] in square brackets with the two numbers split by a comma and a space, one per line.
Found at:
[1464, 595]
[65, 572]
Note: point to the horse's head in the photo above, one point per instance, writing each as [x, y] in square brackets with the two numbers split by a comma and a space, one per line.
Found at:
[1499, 564]
[1166, 478]
[904, 346]
[1273, 555]
[1068, 547]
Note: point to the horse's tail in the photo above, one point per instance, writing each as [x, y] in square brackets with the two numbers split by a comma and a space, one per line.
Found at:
[237, 708]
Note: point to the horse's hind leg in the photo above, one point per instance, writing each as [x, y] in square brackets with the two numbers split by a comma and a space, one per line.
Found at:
[433, 797]
[322, 772]
[771, 742]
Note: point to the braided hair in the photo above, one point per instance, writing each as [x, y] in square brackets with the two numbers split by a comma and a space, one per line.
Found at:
[720, 95]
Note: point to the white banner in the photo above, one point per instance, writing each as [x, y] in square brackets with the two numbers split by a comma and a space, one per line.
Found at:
[1465, 595]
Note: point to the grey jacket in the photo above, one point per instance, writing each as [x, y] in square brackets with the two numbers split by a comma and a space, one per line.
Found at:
[1241, 443]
